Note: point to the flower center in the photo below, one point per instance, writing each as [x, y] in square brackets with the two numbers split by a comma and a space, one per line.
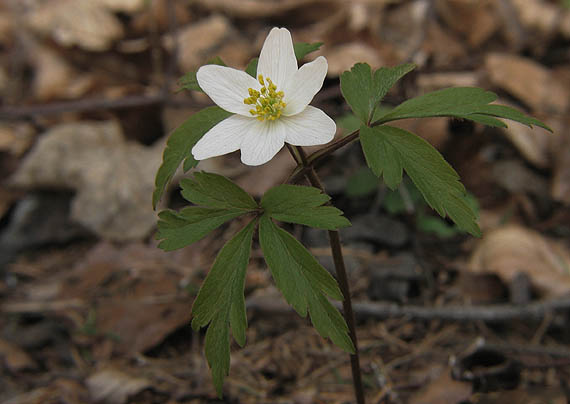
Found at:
[268, 102]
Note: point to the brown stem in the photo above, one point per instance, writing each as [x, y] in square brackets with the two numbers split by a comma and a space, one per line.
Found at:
[336, 249]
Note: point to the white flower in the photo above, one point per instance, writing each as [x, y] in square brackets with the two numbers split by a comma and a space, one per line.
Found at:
[269, 111]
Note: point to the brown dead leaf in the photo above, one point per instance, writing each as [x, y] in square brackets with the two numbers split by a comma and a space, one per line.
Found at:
[443, 390]
[196, 40]
[561, 180]
[526, 396]
[60, 391]
[343, 57]
[85, 23]
[16, 138]
[55, 78]
[542, 16]
[127, 6]
[14, 358]
[512, 249]
[529, 81]
[113, 178]
[476, 20]
[113, 386]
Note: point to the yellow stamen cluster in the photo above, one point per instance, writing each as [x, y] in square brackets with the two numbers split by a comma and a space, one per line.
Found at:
[268, 101]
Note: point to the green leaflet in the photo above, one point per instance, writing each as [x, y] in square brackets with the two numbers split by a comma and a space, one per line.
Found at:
[303, 282]
[364, 90]
[388, 150]
[221, 303]
[180, 143]
[302, 49]
[216, 191]
[179, 229]
[302, 205]
[189, 82]
[460, 102]
[362, 183]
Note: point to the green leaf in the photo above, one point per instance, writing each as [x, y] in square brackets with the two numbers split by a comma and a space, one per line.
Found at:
[189, 81]
[356, 87]
[179, 229]
[302, 205]
[460, 102]
[303, 282]
[251, 68]
[436, 225]
[388, 150]
[385, 78]
[216, 191]
[180, 144]
[364, 90]
[302, 49]
[221, 303]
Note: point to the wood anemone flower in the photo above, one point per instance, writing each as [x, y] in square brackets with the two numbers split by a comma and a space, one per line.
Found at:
[269, 111]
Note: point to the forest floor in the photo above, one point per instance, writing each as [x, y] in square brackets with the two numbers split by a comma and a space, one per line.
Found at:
[91, 311]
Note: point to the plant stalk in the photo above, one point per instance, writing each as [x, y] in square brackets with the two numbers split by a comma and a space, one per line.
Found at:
[336, 248]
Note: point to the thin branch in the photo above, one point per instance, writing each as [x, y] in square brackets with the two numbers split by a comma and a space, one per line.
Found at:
[489, 313]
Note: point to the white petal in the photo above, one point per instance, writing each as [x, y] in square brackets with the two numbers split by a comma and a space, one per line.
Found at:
[224, 138]
[309, 128]
[277, 58]
[262, 142]
[227, 87]
[306, 82]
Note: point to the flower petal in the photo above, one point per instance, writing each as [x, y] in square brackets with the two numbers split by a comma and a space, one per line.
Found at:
[262, 142]
[306, 82]
[309, 128]
[277, 58]
[225, 137]
[227, 87]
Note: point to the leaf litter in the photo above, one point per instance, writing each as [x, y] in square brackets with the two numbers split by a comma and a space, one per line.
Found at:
[103, 316]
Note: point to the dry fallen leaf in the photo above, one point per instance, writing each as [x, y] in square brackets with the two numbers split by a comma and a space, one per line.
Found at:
[343, 57]
[443, 390]
[85, 23]
[14, 358]
[113, 178]
[194, 41]
[561, 180]
[113, 386]
[512, 249]
[529, 81]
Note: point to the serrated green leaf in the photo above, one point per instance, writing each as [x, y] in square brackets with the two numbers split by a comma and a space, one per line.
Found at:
[189, 81]
[251, 68]
[460, 102]
[388, 149]
[179, 229]
[385, 78]
[436, 225]
[216, 191]
[302, 49]
[303, 282]
[356, 86]
[221, 303]
[302, 205]
[364, 90]
[180, 144]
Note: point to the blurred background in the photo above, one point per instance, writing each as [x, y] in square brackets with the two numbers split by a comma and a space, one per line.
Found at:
[92, 312]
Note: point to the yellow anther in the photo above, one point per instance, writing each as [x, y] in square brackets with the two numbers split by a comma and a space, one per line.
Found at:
[268, 101]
